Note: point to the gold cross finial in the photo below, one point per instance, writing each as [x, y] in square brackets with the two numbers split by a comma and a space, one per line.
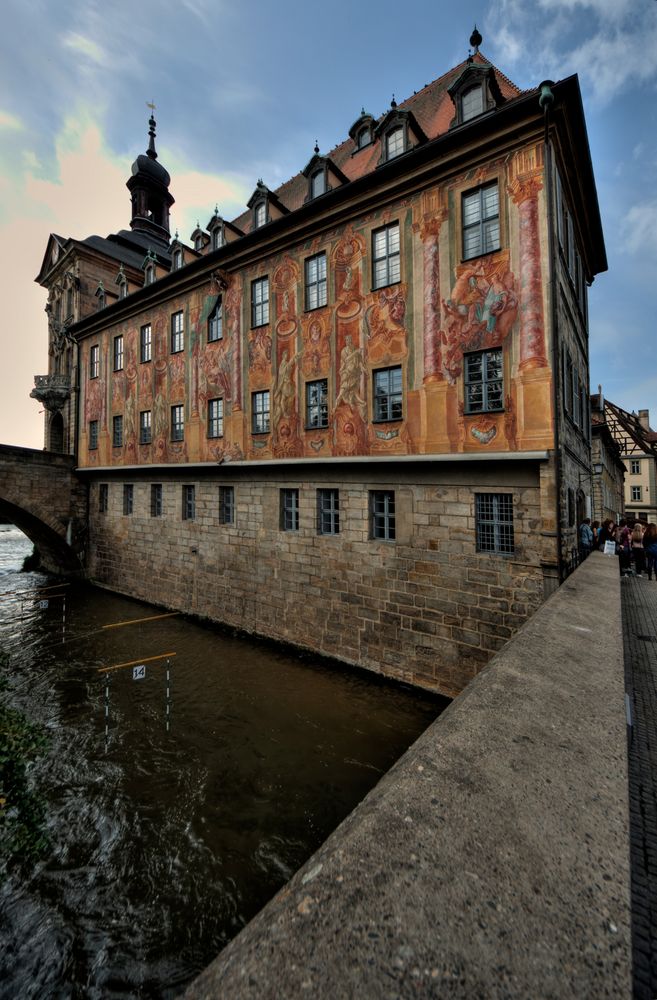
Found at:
[149, 104]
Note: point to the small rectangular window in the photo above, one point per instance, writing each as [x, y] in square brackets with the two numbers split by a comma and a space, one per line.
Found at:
[260, 412]
[103, 498]
[260, 302]
[215, 418]
[94, 362]
[226, 504]
[328, 512]
[117, 432]
[494, 522]
[484, 382]
[145, 343]
[388, 394]
[156, 500]
[118, 353]
[637, 494]
[188, 503]
[177, 332]
[382, 515]
[385, 256]
[128, 498]
[177, 423]
[317, 404]
[395, 142]
[145, 427]
[93, 434]
[289, 510]
[215, 323]
[480, 221]
[635, 467]
[315, 273]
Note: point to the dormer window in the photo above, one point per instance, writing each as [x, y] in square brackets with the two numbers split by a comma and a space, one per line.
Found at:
[218, 238]
[317, 183]
[198, 242]
[364, 137]
[260, 214]
[395, 144]
[100, 295]
[472, 102]
[177, 260]
[149, 274]
[474, 92]
[123, 289]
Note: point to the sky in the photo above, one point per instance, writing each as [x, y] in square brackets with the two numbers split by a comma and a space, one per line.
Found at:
[242, 92]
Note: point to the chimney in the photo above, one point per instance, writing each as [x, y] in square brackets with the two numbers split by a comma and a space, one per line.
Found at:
[644, 419]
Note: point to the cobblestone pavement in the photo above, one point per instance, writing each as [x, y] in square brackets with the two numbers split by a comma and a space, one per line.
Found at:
[639, 604]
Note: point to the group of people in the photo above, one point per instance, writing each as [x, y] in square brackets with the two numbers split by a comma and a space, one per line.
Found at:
[635, 543]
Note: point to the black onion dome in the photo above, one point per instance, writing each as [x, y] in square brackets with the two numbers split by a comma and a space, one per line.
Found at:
[144, 164]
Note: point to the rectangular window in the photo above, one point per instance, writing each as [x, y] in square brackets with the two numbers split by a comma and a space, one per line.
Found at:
[117, 432]
[215, 323]
[395, 143]
[156, 500]
[385, 256]
[289, 510]
[481, 221]
[260, 412]
[177, 332]
[128, 498]
[117, 355]
[215, 418]
[315, 270]
[388, 394]
[635, 467]
[484, 381]
[227, 505]
[177, 423]
[637, 494]
[494, 522]
[260, 302]
[145, 427]
[93, 434]
[145, 343]
[94, 361]
[382, 514]
[103, 498]
[328, 512]
[188, 503]
[317, 403]
[567, 370]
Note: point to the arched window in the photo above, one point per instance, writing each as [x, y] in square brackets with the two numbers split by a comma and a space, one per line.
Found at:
[260, 214]
[177, 259]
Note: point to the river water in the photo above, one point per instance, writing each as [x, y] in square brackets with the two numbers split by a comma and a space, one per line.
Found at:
[171, 810]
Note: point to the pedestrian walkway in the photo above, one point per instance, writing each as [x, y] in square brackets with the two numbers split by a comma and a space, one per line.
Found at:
[639, 606]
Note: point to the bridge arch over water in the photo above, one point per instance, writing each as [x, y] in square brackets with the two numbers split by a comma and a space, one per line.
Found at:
[41, 495]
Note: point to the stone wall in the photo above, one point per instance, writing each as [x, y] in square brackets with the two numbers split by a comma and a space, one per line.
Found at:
[426, 608]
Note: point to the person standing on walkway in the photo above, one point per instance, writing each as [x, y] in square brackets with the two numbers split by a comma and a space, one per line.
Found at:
[585, 537]
[624, 551]
[638, 553]
[607, 533]
[650, 549]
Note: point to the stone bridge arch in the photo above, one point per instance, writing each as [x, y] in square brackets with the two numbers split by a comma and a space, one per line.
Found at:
[41, 495]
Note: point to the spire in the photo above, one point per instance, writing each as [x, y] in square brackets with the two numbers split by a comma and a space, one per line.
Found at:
[475, 40]
[316, 148]
[151, 151]
[393, 103]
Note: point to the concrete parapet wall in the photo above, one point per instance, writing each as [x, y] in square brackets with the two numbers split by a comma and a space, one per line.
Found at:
[492, 860]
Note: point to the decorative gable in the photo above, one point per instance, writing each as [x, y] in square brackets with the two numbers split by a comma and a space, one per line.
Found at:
[474, 92]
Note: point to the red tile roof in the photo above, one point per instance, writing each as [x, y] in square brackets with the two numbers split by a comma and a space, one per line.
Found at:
[434, 110]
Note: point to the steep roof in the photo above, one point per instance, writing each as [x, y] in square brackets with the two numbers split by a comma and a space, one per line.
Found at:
[433, 110]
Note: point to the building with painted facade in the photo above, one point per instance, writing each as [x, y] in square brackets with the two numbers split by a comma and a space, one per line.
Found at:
[355, 417]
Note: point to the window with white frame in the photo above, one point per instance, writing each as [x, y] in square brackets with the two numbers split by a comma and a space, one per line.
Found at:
[315, 274]
[177, 332]
[260, 302]
[388, 395]
[637, 494]
[480, 221]
[177, 423]
[94, 361]
[260, 412]
[484, 381]
[215, 323]
[260, 214]
[472, 102]
[145, 343]
[394, 142]
[117, 355]
[289, 513]
[226, 504]
[494, 522]
[145, 427]
[188, 503]
[328, 512]
[382, 515]
[317, 403]
[215, 418]
[317, 183]
[386, 268]
[635, 467]
[177, 259]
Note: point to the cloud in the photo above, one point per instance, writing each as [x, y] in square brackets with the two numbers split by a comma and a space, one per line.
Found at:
[88, 48]
[639, 228]
[10, 122]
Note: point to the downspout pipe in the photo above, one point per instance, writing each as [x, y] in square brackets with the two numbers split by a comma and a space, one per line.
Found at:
[546, 103]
